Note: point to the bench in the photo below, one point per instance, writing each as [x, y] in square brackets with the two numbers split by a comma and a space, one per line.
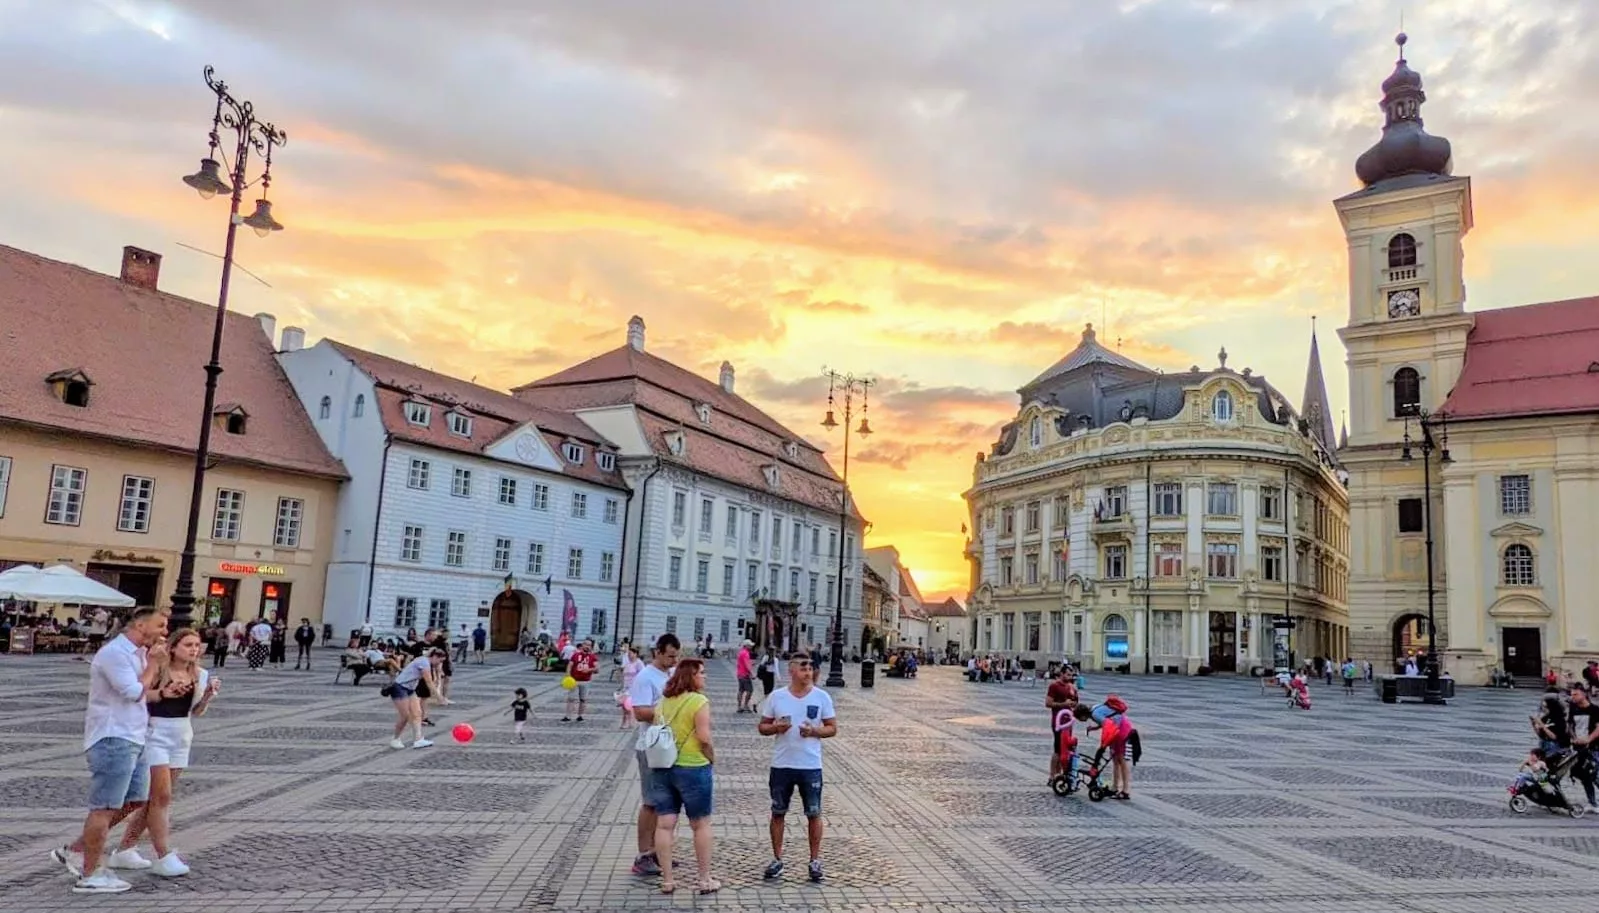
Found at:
[357, 671]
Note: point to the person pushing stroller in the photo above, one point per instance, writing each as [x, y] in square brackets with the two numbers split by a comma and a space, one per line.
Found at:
[1117, 736]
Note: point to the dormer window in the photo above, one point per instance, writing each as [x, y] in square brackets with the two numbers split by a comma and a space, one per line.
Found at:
[1035, 432]
[703, 411]
[675, 445]
[418, 413]
[573, 453]
[1221, 407]
[791, 450]
[771, 473]
[606, 461]
[233, 417]
[460, 424]
[325, 410]
[71, 387]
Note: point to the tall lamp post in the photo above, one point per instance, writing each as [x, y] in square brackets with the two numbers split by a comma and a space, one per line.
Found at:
[845, 387]
[1433, 435]
[250, 135]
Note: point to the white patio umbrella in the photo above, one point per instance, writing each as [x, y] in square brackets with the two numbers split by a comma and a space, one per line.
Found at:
[59, 584]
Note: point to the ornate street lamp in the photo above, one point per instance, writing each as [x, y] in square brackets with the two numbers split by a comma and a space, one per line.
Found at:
[261, 138]
[1433, 437]
[845, 387]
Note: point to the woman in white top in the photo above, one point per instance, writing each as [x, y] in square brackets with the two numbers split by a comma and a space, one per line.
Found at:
[631, 666]
[182, 690]
[260, 643]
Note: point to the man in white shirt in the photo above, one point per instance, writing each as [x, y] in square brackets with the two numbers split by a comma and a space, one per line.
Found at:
[646, 692]
[121, 680]
[797, 756]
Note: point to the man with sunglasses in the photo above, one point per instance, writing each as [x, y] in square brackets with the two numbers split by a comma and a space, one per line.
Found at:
[799, 717]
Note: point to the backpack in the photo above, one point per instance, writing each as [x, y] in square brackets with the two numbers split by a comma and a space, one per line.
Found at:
[1135, 746]
[659, 744]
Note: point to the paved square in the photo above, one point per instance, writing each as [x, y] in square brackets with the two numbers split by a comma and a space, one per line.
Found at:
[935, 801]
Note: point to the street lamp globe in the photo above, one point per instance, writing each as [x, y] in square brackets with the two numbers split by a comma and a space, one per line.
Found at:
[208, 180]
[261, 220]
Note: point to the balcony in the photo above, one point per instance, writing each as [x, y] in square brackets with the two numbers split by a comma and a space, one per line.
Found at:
[1118, 526]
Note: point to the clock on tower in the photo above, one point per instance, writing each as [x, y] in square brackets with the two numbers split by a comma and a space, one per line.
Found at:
[1405, 302]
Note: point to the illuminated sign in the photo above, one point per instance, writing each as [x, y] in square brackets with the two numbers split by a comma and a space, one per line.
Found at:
[261, 570]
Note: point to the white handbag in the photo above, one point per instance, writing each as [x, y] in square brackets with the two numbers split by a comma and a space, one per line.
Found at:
[659, 744]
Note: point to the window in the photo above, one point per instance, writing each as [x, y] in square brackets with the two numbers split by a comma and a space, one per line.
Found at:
[1221, 560]
[1410, 515]
[66, 495]
[418, 477]
[607, 463]
[134, 514]
[1008, 629]
[455, 549]
[461, 483]
[702, 575]
[679, 509]
[798, 533]
[460, 425]
[1516, 567]
[439, 613]
[812, 590]
[727, 578]
[1168, 559]
[1007, 521]
[732, 524]
[1057, 632]
[405, 612]
[707, 511]
[793, 586]
[1062, 563]
[1031, 623]
[1221, 407]
[1167, 634]
[752, 579]
[777, 535]
[1515, 495]
[1115, 562]
[1060, 510]
[755, 528]
[286, 532]
[418, 413]
[699, 630]
[236, 422]
[325, 410]
[772, 580]
[1401, 251]
[1115, 501]
[229, 517]
[1168, 499]
[1032, 517]
[502, 554]
[573, 453]
[574, 564]
[671, 624]
[535, 557]
[580, 505]
[597, 622]
[1223, 500]
[832, 544]
[541, 496]
[360, 405]
[816, 541]
[674, 572]
[411, 544]
[1271, 563]
[726, 627]
[1271, 503]
[1407, 392]
[1007, 571]
[507, 491]
[613, 510]
[1035, 432]
[1030, 569]
[607, 567]
[5, 482]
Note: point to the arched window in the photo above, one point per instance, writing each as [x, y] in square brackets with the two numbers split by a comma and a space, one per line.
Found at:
[326, 411]
[1115, 629]
[360, 404]
[1516, 568]
[1401, 251]
[1221, 408]
[1036, 432]
[1115, 624]
[1407, 392]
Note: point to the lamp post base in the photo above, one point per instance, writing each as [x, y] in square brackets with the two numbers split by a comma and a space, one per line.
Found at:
[1433, 691]
[835, 676]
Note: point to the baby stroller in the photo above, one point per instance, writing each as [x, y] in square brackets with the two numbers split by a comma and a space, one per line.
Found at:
[1548, 792]
[1065, 782]
[1299, 693]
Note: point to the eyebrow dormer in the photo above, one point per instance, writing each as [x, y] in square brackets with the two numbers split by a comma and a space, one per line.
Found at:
[71, 386]
[232, 417]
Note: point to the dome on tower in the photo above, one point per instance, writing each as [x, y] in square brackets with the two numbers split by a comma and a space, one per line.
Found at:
[1405, 147]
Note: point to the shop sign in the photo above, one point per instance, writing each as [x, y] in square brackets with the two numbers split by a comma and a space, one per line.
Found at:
[102, 554]
[260, 570]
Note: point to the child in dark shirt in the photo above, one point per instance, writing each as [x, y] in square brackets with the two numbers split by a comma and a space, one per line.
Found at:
[519, 710]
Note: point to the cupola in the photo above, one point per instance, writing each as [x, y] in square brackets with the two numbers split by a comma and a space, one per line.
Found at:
[1405, 148]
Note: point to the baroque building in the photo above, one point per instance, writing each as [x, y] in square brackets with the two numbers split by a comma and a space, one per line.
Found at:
[1498, 513]
[1128, 517]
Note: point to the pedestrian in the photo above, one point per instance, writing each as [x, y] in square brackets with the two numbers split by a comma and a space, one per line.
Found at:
[767, 673]
[648, 687]
[442, 676]
[687, 785]
[166, 751]
[463, 638]
[1583, 725]
[304, 638]
[581, 667]
[115, 726]
[797, 756]
[220, 646]
[1061, 695]
[365, 636]
[278, 645]
[519, 710]
[480, 643]
[744, 670]
[405, 692]
[260, 637]
[1349, 672]
[631, 666]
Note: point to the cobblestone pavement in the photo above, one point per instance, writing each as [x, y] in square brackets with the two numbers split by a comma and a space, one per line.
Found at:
[935, 802]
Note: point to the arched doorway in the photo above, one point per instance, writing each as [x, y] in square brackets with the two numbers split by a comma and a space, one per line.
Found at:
[512, 611]
[1409, 637]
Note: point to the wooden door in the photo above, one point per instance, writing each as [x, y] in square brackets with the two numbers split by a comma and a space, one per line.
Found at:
[1523, 651]
[505, 622]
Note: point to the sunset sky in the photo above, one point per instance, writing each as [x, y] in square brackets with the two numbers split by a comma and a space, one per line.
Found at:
[939, 193]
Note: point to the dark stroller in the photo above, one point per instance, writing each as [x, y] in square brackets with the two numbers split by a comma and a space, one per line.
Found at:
[1548, 793]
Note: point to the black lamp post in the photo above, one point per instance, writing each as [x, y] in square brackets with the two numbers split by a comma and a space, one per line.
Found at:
[1434, 436]
[251, 135]
[843, 386]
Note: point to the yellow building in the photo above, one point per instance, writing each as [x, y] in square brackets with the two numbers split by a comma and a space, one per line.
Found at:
[1494, 410]
[1159, 521]
[100, 404]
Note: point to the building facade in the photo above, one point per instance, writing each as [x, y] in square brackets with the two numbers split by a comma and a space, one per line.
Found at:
[1162, 522]
[1506, 493]
[736, 526]
[465, 505]
[97, 438]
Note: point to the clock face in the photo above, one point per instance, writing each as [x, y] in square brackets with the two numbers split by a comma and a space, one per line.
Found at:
[1405, 302]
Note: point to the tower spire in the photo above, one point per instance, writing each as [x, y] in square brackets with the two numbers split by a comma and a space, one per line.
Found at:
[1314, 408]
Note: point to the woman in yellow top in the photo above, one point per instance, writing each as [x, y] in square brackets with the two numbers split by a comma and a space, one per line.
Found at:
[687, 786]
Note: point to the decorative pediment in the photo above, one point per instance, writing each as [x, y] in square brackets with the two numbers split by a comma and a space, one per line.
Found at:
[772, 473]
[524, 444]
[1519, 605]
[1516, 530]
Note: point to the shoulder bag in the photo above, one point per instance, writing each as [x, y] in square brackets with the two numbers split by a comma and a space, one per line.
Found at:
[659, 743]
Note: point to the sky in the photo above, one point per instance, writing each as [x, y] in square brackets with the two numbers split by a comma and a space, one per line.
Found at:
[938, 194]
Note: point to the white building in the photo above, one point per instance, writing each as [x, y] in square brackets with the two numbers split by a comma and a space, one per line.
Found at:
[952, 629]
[910, 624]
[737, 517]
[464, 504]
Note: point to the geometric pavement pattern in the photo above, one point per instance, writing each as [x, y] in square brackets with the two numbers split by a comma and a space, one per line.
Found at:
[935, 801]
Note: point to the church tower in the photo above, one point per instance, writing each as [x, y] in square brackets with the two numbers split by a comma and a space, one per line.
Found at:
[1406, 344]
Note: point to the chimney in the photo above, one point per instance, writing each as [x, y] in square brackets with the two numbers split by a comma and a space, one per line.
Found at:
[293, 339]
[269, 325]
[727, 376]
[635, 333]
[140, 267]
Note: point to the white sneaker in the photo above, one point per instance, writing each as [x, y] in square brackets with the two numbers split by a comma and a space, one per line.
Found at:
[67, 859]
[169, 866]
[128, 859]
[101, 882]
[422, 743]
[396, 743]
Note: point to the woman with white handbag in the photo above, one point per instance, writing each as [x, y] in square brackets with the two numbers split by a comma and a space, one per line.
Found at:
[679, 748]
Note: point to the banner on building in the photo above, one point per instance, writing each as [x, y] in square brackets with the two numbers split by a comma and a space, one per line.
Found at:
[568, 613]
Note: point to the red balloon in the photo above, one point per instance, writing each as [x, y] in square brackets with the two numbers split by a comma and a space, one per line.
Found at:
[463, 732]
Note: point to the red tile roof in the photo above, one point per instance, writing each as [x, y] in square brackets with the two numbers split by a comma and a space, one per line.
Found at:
[949, 608]
[493, 413]
[1537, 359]
[144, 351]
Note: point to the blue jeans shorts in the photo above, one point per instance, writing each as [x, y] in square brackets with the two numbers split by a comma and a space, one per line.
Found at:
[647, 776]
[782, 782]
[117, 774]
[685, 789]
[399, 693]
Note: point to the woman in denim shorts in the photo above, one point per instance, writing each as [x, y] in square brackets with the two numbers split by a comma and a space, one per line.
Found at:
[686, 787]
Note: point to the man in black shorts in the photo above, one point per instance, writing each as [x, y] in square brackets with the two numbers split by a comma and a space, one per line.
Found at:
[1062, 695]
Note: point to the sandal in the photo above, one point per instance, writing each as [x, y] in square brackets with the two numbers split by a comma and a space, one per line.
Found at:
[668, 886]
[1122, 796]
[709, 886]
